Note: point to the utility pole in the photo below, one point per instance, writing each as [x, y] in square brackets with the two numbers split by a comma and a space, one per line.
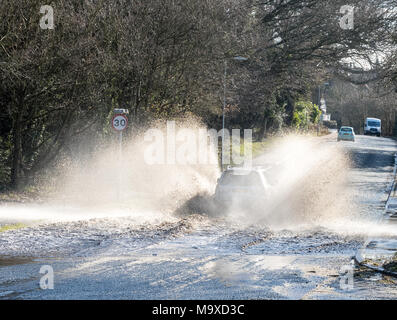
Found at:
[119, 124]
[223, 112]
[238, 58]
[325, 84]
[319, 103]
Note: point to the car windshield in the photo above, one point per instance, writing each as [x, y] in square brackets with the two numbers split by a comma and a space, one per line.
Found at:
[374, 124]
[237, 180]
[346, 130]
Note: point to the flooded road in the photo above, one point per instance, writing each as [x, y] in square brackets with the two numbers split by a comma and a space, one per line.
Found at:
[154, 255]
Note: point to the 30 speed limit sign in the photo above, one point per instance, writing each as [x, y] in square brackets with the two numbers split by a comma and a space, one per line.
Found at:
[119, 122]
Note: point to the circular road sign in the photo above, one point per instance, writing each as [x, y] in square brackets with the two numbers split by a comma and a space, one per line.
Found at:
[119, 122]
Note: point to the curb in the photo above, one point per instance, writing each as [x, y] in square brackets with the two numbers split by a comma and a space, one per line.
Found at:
[377, 269]
[358, 256]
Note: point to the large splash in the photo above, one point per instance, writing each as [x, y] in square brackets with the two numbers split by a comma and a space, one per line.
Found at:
[309, 178]
[312, 190]
[308, 183]
[113, 184]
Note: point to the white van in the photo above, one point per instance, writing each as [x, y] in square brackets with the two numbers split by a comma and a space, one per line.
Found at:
[373, 126]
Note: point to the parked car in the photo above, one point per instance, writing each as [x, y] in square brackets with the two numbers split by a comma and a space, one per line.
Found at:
[243, 188]
[373, 126]
[346, 133]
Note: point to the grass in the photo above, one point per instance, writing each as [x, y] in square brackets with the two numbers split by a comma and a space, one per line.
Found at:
[9, 227]
[28, 194]
[258, 147]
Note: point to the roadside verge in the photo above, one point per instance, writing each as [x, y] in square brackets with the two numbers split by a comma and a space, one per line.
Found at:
[380, 254]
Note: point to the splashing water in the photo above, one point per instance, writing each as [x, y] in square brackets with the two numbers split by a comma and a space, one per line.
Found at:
[107, 186]
[311, 190]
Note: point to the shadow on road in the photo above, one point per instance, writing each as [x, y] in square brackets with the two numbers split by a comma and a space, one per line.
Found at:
[371, 159]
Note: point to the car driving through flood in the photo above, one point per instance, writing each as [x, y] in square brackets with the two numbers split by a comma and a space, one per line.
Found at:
[243, 188]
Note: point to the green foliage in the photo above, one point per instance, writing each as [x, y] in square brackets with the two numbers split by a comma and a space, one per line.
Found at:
[306, 113]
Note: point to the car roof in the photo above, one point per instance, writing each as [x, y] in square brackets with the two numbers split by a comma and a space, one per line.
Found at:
[344, 127]
[373, 119]
[245, 171]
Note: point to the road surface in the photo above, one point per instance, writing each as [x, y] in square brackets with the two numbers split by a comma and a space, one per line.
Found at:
[161, 256]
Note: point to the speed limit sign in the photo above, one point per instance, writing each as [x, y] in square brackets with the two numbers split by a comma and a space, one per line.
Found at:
[119, 122]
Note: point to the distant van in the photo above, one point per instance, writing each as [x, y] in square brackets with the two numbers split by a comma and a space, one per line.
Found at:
[372, 126]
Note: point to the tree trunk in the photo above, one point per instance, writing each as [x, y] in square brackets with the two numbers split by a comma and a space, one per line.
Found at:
[263, 130]
[289, 109]
[17, 150]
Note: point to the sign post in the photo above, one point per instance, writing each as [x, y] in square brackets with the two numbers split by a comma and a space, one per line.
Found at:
[119, 124]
